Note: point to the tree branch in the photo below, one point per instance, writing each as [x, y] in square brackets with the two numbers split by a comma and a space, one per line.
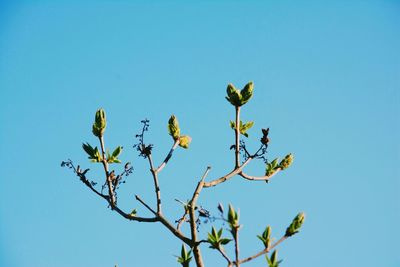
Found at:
[237, 138]
[258, 178]
[222, 251]
[168, 157]
[227, 176]
[236, 237]
[108, 178]
[192, 216]
[266, 250]
[156, 185]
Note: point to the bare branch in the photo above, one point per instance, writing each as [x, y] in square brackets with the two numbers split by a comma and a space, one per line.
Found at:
[108, 177]
[236, 238]
[237, 138]
[227, 176]
[156, 185]
[144, 204]
[182, 219]
[266, 250]
[168, 157]
[258, 178]
[222, 251]
[192, 216]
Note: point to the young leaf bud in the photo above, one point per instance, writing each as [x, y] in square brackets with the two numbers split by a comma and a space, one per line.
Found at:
[173, 128]
[286, 162]
[246, 93]
[295, 226]
[100, 123]
[234, 96]
[184, 141]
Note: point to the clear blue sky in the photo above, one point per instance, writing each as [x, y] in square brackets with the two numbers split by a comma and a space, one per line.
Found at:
[327, 81]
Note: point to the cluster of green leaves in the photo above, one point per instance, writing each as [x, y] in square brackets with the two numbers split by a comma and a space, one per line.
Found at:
[175, 132]
[113, 158]
[239, 98]
[215, 239]
[185, 257]
[266, 237]
[98, 129]
[273, 166]
[273, 260]
[243, 127]
[99, 125]
[296, 224]
[94, 153]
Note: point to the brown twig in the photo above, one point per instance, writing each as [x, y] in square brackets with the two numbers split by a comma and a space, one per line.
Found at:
[222, 251]
[108, 177]
[266, 250]
[168, 157]
[227, 176]
[181, 220]
[258, 178]
[236, 239]
[159, 217]
[156, 185]
[192, 216]
[237, 138]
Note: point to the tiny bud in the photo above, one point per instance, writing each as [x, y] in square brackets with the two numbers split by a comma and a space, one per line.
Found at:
[173, 128]
[184, 141]
[100, 123]
[296, 224]
[286, 162]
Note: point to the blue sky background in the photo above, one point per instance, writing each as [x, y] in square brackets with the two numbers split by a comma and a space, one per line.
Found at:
[327, 81]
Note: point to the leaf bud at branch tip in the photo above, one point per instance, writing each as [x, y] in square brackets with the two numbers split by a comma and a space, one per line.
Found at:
[99, 125]
[296, 224]
[239, 98]
[286, 162]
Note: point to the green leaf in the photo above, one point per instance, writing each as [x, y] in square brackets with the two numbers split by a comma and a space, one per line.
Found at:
[173, 127]
[225, 241]
[234, 96]
[94, 154]
[117, 152]
[246, 93]
[244, 127]
[88, 149]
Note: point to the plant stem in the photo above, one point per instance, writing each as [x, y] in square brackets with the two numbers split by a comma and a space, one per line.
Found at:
[237, 138]
[108, 178]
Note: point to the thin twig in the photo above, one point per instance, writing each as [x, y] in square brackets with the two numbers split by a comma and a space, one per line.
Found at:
[258, 178]
[144, 204]
[174, 231]
[192, 216]
[221, 250]
[182, 220]
[156, 185]
[227, 176]
[168, 157]
[237, 138]
[108, 178]
[236, 237]
[266, 250]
